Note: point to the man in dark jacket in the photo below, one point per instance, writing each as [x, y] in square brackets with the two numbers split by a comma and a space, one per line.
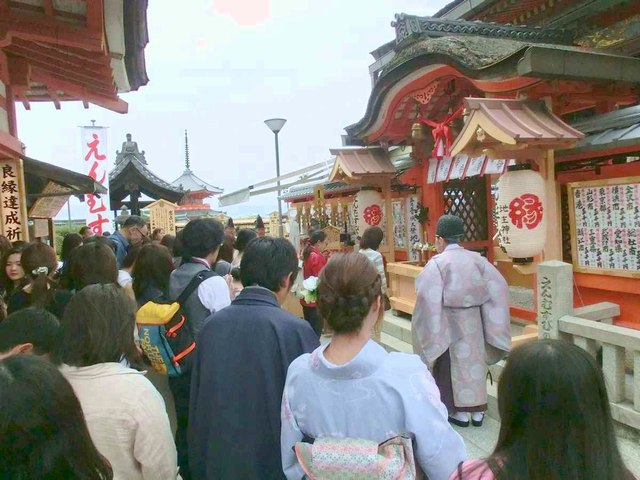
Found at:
[241, 364]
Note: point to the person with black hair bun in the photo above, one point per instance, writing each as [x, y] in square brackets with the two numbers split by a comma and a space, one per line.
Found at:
[313, 261]
[351, 388]
[43, 433]
[260, 228]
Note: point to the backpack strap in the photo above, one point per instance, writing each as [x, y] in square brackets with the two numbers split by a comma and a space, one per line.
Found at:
[194, 284]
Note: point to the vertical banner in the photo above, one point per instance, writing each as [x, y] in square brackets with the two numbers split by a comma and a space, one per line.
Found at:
[96, 164]
[414, 229]
[13, 199]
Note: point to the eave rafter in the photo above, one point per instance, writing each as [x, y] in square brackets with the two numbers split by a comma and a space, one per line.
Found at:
[58, 55]
[49, 30]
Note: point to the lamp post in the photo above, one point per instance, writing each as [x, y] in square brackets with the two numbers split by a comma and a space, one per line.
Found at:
[275, 125]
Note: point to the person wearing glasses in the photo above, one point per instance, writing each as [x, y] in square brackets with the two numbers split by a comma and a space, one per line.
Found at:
[460, 322]
[134, 230]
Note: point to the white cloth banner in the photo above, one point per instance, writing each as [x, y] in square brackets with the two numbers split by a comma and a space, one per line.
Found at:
[96, 164]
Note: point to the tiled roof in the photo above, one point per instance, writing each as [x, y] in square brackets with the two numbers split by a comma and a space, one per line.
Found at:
[306, 190]
[144, 171]
[354, 163]
[410, 27]
[616, 129]
[513, 122]
[189, 181]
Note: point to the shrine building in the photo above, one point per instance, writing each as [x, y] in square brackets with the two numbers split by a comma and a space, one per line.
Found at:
[552, 104]
[57, 52]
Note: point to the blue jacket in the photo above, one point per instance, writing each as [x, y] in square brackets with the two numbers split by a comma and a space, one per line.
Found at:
[122, 246]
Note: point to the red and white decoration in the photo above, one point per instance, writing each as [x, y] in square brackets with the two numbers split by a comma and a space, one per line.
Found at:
[521, 215]
[368, 209]
[96, 164]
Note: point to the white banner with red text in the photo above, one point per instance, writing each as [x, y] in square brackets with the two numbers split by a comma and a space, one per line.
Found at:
[96, 165]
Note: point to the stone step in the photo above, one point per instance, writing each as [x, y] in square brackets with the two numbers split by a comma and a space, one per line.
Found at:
[398, 327]
[393, 344]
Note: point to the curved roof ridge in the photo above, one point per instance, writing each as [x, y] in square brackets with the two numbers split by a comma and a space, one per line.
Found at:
[191, 182]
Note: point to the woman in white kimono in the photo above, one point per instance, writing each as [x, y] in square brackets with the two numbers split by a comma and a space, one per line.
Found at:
[351, 388]
[460, 322]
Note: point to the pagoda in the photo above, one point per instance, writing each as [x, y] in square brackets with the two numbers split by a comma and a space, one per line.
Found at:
[196, 190]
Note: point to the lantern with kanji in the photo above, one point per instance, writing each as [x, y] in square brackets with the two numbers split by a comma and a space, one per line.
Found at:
[368, 210]
[521, 213]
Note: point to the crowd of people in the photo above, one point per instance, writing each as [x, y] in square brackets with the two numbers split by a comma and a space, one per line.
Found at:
[250, 392]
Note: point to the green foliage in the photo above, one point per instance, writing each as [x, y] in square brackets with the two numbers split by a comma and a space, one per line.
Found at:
[60, 232]
[422, 214]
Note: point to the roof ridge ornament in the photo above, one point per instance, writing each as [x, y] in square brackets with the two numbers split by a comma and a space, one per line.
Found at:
[130, 148]
[410, 27]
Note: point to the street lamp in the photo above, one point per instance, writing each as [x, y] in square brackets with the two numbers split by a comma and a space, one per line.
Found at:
[275, 125]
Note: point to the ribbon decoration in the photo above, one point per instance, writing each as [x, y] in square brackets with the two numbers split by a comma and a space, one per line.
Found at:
[441, 132]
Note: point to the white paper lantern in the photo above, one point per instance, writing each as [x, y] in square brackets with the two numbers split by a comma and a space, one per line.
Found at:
[521, 212]
[368, 208]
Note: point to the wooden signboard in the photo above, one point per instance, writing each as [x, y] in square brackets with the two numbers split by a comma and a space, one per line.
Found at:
[49, 207]
[162, 214]
[13, 214]
[605, 226]
[333, 237]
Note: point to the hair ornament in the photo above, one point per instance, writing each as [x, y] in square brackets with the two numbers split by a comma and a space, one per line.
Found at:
[40, 270]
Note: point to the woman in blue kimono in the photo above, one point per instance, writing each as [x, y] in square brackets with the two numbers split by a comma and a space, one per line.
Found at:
[351, 388]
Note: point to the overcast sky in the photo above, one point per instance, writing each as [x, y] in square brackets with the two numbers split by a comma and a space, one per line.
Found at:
[219, 73]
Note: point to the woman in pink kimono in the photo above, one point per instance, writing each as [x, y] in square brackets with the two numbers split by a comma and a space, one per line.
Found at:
[460, 322]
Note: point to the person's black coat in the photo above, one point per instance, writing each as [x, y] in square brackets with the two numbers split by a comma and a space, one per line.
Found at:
[238, 376]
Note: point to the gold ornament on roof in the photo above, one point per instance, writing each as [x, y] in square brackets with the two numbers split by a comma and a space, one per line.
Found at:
[480, 134]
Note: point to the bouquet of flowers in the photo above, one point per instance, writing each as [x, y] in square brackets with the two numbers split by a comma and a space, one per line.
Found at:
[310, 290]
[424, 247]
